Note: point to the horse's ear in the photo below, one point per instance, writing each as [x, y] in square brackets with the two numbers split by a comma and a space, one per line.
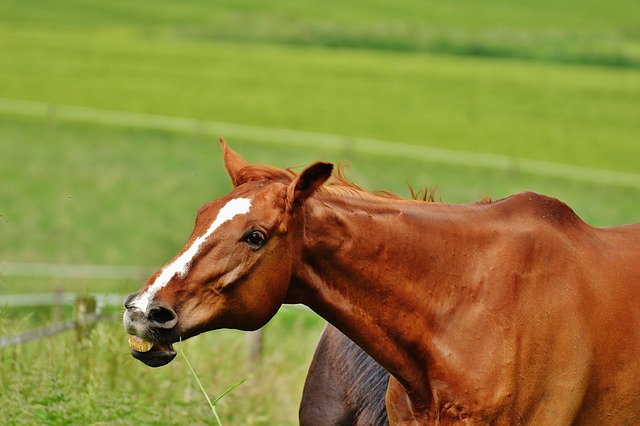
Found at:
[308, 181]
[233, 162]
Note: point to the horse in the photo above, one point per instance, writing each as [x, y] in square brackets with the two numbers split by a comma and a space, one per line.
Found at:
[513, 311]
[344, 385]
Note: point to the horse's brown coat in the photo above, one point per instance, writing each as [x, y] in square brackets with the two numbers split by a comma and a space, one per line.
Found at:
[509, 312]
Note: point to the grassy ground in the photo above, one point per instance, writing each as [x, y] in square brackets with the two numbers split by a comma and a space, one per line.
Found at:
[117, 57]
[68, 380]
[571, 31]
[554, 81]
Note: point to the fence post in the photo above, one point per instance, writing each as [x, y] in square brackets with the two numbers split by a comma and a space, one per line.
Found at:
[254, 346]
[57, 304]
[84, 310]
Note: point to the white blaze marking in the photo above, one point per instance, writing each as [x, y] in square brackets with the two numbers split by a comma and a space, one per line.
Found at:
[180, 265]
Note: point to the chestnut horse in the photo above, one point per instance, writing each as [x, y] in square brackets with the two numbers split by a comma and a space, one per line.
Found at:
[345, 386]
[506, 312]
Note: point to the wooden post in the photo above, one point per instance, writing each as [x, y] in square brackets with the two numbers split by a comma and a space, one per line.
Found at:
[254, 346]
[83, 314]
[56, 311]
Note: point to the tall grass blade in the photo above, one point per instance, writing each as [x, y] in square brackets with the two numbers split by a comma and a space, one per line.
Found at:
[204, 392]
[231, 388]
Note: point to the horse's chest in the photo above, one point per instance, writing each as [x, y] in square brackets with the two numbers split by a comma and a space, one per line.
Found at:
[447, 404]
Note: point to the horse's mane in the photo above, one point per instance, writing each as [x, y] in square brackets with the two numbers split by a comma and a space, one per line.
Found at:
[338, 185]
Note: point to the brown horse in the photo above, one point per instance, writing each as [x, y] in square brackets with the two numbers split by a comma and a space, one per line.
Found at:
[345, 386]
[508, 312]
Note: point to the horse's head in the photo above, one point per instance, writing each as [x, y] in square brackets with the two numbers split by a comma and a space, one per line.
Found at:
[234, 271]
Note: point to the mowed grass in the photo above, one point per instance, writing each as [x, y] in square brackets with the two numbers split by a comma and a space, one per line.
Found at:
[567, 114]
[570, 31]
[117, 57]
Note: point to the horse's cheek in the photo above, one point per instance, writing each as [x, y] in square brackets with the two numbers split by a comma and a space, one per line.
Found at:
[279, 267]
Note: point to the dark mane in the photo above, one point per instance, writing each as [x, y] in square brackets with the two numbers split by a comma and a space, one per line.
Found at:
[426, 194]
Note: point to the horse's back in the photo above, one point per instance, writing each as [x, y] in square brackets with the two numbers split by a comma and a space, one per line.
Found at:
[592, 280]
[571, 292]
[612, 289]
[344, 386]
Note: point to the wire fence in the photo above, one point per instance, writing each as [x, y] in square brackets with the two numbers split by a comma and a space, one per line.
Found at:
[88, 309]
[50, 330]
[59, 299]
[304, 139]
[61, 270]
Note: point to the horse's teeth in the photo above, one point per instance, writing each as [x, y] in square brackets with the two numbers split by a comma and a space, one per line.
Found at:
[139, 344]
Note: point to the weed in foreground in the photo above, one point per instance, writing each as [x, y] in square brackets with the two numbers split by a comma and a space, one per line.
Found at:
[204, 392]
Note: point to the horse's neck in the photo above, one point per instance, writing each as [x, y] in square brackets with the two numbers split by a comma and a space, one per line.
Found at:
[382, 272]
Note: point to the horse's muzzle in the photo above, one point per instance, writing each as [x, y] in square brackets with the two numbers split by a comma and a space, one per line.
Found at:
[155, 331]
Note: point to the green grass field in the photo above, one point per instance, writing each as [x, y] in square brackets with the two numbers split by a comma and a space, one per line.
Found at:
[63, 380]
[117, 57]
[551, 82]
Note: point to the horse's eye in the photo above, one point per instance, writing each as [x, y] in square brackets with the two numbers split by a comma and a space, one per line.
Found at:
[255, 239]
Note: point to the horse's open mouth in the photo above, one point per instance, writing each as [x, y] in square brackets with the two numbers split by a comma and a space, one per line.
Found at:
[152, 354]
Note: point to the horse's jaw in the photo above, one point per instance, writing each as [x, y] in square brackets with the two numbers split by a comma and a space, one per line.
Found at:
[151, 354]
[148, 345]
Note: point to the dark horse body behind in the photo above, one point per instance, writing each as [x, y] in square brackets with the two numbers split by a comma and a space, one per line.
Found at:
[345, 386]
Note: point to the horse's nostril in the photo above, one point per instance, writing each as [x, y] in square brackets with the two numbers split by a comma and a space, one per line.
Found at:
[127, 302]
[162, 317]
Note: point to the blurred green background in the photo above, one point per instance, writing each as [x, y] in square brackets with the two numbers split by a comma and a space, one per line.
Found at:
[110, 113]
